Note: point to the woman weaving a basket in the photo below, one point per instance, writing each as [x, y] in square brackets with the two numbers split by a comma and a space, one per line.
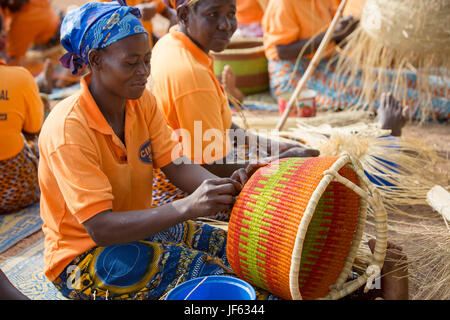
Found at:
[98, 149]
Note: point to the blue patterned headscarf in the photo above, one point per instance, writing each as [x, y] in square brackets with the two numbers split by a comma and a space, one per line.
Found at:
[96, 25]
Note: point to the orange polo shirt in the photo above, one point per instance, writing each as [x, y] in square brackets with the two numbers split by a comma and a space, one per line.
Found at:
[35, 23]
[193, 100]
[85, 169]
[354, 8]
[21, 108]
[286, 21]
[248, 11]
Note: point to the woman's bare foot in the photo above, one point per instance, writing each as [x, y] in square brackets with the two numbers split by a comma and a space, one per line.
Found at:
[229, 83]
[45, 78]
[392, 115]
[394, 274]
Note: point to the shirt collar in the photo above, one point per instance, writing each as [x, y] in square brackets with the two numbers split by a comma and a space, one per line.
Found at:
[199, 54]
[95, 118]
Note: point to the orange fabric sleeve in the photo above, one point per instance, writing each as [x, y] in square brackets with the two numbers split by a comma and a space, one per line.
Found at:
[354, 8]
[248, 11]
[281, 26]
[202, 122]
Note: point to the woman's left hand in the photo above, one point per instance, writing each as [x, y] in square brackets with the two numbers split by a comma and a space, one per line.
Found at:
[242, 175]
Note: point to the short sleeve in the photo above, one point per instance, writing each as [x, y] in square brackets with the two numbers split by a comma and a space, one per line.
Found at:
[281, 25]
[34, 107]
[165, 145]
[204, 124]
[82, 183]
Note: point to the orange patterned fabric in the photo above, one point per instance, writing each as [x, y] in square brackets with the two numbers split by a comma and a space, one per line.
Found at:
[19, 185]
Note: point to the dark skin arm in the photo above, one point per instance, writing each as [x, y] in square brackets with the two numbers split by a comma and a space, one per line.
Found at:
[209, 195]
[8, 291]
[285, 150]
[291, 50]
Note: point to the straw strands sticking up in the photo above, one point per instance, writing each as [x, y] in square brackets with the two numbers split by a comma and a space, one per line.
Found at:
[404, 169]
[408, 169]
[395, 36]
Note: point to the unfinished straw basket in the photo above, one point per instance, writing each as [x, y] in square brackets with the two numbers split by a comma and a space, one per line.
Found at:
[297, 225]
[248, 61]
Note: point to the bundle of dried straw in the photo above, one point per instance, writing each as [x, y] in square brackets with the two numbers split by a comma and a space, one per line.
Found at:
[395, 36]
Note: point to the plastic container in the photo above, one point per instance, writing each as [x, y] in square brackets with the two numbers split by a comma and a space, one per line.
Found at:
[305, 106]
[213, 288]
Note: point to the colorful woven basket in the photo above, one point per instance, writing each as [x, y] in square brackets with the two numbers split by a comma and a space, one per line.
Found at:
[297, 224]
[248, 61]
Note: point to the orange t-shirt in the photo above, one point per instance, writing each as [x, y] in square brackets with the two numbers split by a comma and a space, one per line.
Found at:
[192, 98]
[286, 21]
[21, 108]
[248, 11]
[354, 8]
[35, 23]
[84, 169]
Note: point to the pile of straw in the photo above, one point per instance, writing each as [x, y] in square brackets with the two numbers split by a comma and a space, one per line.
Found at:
[395, 36]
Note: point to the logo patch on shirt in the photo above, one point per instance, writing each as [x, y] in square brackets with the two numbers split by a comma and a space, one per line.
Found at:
[4, 95]
[3, 116]
[145, 152]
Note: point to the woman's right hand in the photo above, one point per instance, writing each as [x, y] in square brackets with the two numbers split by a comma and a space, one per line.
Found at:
[212, 196]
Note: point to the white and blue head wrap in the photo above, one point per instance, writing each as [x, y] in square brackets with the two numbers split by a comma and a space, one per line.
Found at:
[96, 25]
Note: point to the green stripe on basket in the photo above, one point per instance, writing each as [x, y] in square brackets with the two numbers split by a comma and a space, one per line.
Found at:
[242, 67]
[312, 235]
[258, 213]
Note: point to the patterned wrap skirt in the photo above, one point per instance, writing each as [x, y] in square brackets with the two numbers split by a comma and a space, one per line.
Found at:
[150, 268]
[19, 186]
[336, 92]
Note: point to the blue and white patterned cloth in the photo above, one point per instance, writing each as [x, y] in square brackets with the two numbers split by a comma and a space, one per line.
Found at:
[96, 25]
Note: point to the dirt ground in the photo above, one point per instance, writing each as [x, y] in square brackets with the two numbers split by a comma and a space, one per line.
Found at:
[436, 136]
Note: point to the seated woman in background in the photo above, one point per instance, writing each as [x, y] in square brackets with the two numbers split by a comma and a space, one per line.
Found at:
[296, 27]
[194, 102]
[103, 239]
[292, 27]
[21, 117]
[32, 22]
